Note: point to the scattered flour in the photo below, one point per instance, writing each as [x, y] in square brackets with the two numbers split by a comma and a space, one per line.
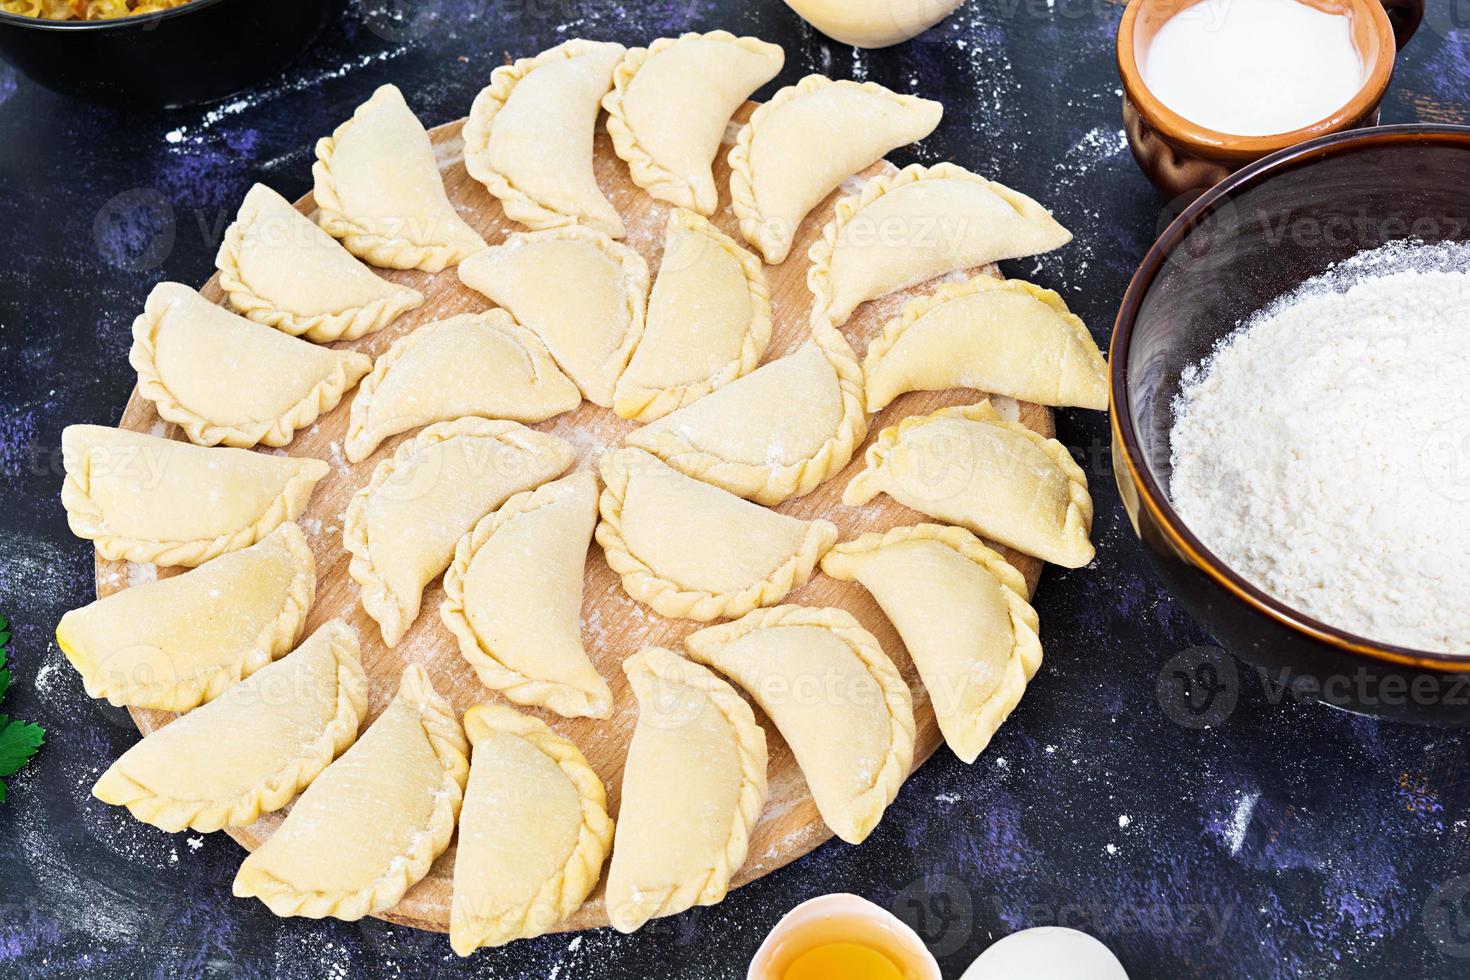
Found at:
[854, 185]
[449, 152]
[1323, 449]
[186, 135]
[588, 442]
[338, 460]
[1240, 822]
[1006, 407]
[141, 573]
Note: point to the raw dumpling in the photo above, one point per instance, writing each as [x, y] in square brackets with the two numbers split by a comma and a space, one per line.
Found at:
[402, 527]
[670, 105]
[370, 826]
[967, 466]
[581, 292]
[379, 190]
[174, 643]
[709, 320]
[921, 223]
[811, 136]
[533, 832]
[856, 746]
[514, 599]
[178, 778]
[480, 364]
[694, 551]
[145, 499]
[1003, 336]
[693, 787]
[962, 612]
[225, 379]
[776, 433]
[278, 268]
[529, 136]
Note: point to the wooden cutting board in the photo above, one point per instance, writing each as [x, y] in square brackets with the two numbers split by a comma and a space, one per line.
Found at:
[614, 626]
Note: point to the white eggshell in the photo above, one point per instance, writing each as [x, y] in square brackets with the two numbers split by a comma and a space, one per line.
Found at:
[1053, 952]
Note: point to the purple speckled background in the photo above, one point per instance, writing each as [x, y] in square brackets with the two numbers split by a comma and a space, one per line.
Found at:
[1291, 840]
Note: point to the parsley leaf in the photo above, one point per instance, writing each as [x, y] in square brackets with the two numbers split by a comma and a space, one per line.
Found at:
[19, 740]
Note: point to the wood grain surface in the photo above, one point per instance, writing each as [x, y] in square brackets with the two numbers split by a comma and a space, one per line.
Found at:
[614, 626]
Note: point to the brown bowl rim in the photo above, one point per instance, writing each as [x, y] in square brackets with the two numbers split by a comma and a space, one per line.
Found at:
[1124, 429]
[1210, 143]
[134, 21]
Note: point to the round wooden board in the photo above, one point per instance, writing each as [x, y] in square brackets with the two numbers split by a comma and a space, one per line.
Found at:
[614, 626]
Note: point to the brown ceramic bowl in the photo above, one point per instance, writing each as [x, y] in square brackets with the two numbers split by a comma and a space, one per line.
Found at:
[1182, 157]
[1239, 247]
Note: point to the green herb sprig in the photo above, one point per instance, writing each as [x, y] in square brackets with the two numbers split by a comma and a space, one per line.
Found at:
[19, 740]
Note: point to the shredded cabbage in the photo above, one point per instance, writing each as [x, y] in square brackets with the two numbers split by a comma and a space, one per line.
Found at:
[86, 9]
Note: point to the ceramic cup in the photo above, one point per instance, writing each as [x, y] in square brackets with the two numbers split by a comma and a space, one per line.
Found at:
[1183, 158]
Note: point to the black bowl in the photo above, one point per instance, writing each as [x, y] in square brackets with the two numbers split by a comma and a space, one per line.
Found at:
[1242, 245]
[204, 50]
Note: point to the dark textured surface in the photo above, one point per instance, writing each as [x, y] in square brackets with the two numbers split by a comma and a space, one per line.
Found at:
[1291, 840]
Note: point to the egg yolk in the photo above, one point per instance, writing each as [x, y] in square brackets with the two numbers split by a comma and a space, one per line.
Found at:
[842, 961]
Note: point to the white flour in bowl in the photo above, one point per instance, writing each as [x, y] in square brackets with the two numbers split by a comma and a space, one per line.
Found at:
[1322, 450]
